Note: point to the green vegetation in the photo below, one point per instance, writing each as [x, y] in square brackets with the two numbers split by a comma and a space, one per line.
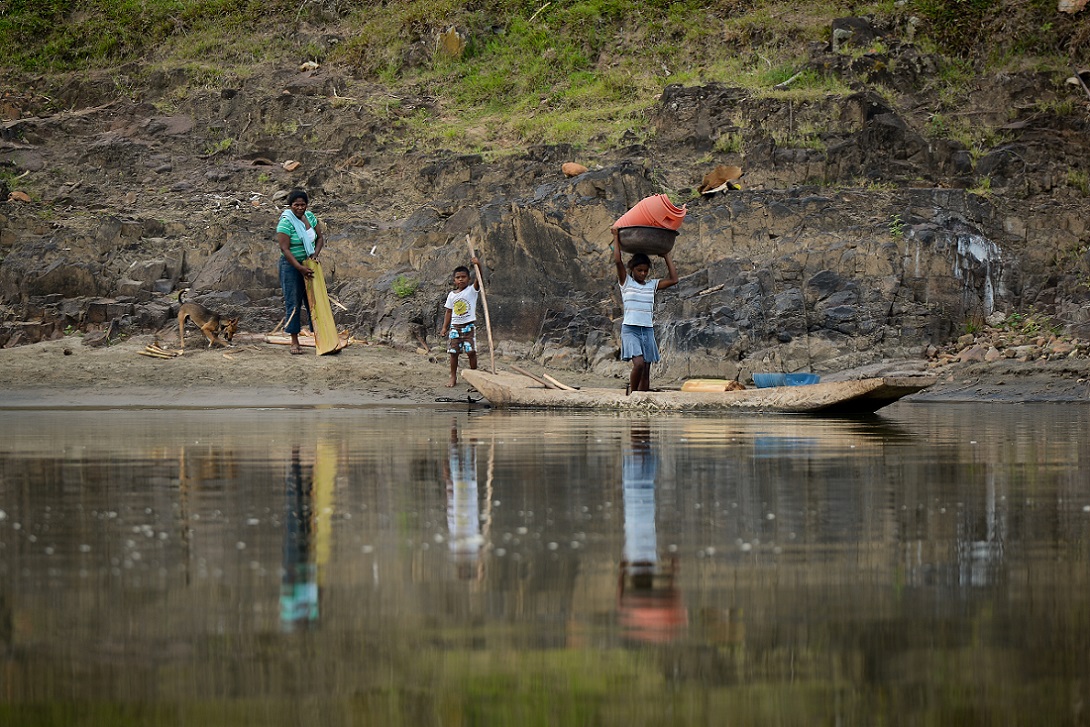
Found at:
[1080, 180]
[1030, 323]
[218, 147]
[983, 188]
[730, 143]
[896, 227]
[403, 286]
[585, 72]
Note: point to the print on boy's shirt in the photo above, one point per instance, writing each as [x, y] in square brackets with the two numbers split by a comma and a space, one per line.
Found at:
[462, 305]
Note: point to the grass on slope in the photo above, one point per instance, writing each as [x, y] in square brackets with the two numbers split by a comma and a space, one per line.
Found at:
[511, 72]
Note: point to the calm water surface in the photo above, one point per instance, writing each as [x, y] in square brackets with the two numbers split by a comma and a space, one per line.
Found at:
[929, 565]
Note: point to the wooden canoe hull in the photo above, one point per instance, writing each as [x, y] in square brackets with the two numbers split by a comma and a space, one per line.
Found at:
[512, 391]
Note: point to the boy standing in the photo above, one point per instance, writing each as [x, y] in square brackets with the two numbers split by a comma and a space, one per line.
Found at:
[637, 329]
[460, 322]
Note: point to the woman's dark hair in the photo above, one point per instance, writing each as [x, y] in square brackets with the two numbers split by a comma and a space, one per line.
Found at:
[639, 259]
[298, 194]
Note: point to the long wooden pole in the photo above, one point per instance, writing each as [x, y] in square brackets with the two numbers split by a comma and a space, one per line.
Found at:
[484, 302]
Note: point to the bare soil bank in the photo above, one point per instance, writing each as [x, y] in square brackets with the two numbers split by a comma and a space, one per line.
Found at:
[63, 373]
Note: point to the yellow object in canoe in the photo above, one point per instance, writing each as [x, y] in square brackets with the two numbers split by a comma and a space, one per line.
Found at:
[711, 386]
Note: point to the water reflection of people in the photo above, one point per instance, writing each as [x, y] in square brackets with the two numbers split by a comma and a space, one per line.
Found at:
[299, 570]
[650, 607]
[463, 506]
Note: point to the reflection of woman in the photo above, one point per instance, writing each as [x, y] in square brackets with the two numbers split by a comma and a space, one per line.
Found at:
[299, 570]
[300, 236]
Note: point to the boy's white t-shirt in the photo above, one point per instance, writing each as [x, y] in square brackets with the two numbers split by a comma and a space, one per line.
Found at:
[462, 305]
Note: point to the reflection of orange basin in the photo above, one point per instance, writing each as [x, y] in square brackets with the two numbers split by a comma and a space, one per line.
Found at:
[652, 616]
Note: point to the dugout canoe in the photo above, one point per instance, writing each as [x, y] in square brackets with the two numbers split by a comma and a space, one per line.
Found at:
[505, 390]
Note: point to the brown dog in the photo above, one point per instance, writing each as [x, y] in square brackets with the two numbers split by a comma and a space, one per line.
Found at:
[211, 324]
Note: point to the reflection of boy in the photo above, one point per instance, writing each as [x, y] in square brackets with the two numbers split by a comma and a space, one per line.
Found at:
[463, 508]
[459, 323]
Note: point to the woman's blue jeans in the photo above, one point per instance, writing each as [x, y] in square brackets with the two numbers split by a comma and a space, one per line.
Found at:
[295, 296]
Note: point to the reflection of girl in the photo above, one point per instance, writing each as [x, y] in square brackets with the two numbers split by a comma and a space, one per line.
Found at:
[300, 237]
[647, 610]
[639, 467]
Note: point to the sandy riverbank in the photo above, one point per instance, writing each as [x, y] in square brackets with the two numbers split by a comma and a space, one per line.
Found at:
[65, 373]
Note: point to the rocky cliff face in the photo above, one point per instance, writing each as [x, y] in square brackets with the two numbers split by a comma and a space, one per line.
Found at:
[854, 238]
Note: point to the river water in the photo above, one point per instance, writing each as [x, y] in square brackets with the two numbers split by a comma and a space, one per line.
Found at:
[926, 565]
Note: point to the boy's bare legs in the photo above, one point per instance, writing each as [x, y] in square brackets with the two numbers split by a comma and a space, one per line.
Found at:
[453, 370]
[472, 359]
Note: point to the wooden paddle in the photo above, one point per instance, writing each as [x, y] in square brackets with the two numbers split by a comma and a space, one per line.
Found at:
[484, 304]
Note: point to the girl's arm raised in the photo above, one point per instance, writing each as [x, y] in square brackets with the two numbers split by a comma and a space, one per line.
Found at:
[671, 272]
[622, 274]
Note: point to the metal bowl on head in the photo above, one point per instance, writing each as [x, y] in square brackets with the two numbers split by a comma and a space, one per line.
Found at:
[648, 240]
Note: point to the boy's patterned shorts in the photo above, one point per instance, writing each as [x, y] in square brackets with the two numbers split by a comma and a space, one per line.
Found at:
[463, 339]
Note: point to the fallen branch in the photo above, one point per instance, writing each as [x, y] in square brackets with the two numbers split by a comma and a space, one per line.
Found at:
[156, 348]
[1081, 80]
[538, 12]
[152, 350]
[559, 385]
[541, 381]
[788, 82]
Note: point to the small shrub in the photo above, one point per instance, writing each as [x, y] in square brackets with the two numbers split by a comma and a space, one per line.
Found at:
[404, 287]
[983, 188]
[730, 143]
[220, 146]
[896, 227]
[1080, 180]
[1030, 324]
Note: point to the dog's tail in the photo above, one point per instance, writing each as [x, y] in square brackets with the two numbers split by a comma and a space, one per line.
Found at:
[181, 295]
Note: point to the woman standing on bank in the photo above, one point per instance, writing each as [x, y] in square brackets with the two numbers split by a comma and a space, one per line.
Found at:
[300, 236]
